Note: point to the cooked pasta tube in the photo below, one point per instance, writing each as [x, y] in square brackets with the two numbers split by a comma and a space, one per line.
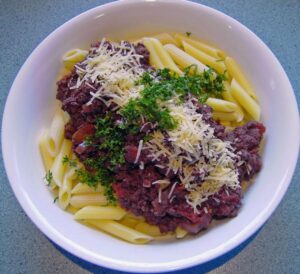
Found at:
[221, 105]
[245, 100]
[235, 71]
[225, 116]
[204, 58]
[166, 38]
[212, 51]
[180, 232]
[58, 168]
[148, 229]
[129, 221]
[92, 199]
[74, 56]
[47, 158]
[228, 96]
[81, 188]
[56, 133]
[121, 231]
[64, 194]
[100, 213]
[164, 56]
[154, 57]
[183, 59]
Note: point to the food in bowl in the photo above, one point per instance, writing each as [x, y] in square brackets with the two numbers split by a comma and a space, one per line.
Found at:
[153, 138]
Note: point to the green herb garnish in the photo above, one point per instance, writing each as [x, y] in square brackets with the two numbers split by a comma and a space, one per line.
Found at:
[48, 177]
[55, 199]
[167, 85]
[66, 160]
[188, 34]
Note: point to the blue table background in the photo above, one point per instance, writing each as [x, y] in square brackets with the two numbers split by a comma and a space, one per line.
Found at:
[24, 249]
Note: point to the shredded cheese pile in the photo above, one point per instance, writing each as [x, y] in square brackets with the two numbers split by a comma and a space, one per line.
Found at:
[114, 67]
[203, 162]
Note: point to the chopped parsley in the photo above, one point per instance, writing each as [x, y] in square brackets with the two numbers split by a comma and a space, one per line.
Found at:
[166, 85]
[48, 178]
[188, 34]
[55, 199]
[66, 160]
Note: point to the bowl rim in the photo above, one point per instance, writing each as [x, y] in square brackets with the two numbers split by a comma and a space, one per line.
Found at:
[100, 260]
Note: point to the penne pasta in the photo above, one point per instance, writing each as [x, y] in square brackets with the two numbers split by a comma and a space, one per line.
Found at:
[92, 199]
[47, 158]
[129, 221]
[64, 194]
[74, 56]
[180, 232]
[166, 38]
[236, 72]
[228, 96]
[100, 213]
[245, 100]
[221, 105]
[214, 52]
[121, 231]
[183, 59]
[55, 134]
[164, 56]
[226, 116]
[148, 229]
[81, 188]
[154, 57]
[204, 58]
[58, 168]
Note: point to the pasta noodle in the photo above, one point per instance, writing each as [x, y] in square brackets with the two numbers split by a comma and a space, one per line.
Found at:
[46, 156]
[121, 231]
[204, 58]
[164, 56]
[183, 59]
[100, 213]
[55, 134]
[154, 57]
[74, 56]
[214, 52]
[236, 73]
[245, 100]
[93, 199]
[166, 38]
[81, 188]
[58, 168]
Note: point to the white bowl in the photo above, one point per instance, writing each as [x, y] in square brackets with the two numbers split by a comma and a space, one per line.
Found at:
[30, 106]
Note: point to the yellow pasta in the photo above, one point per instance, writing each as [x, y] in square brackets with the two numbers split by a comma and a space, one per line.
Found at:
[180, 233]
[183, 59]
[226, 116]
[154, 57]
[129, 221]
[74, 56]
[236, 72]
[204, 58]
[55, 134]
[164, 56]
[245, 100]
[92, 199]
[166, 38]
[81, 188]
[64, 194]
[221, 105]
[47, 158]
[58, 168]
[151, 230]
[228, 96]
[100, 213]
[214, 52]
[121, 231]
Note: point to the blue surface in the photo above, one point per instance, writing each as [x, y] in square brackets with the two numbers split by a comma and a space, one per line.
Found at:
[24, 249]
